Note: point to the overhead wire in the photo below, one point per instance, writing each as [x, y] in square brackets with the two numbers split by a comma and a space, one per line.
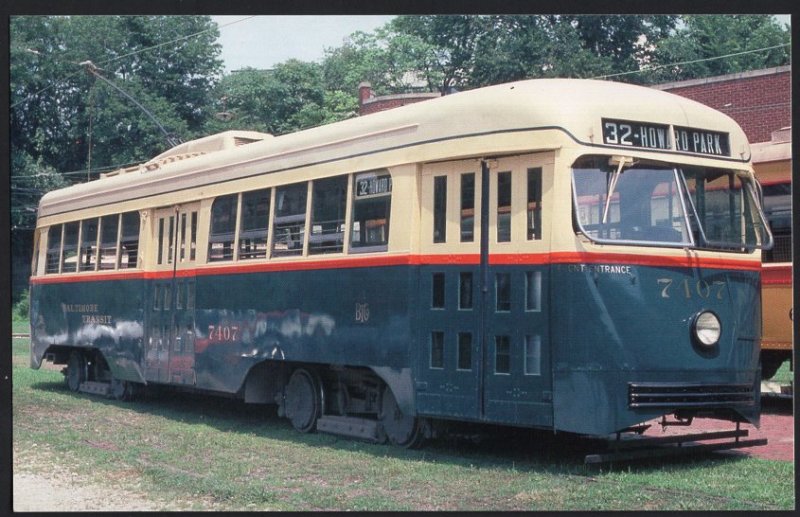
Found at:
[647, 68]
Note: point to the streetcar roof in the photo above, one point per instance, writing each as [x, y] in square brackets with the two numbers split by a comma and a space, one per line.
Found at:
[575, 106]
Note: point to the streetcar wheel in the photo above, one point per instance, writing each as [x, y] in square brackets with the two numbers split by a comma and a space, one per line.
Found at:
[76, 371]
[303, 401]
[402, 430]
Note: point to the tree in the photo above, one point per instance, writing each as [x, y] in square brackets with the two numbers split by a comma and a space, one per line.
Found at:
[449, 45]
[625, 40]
[391, 61]
[290, 97]
[474, 51]
[171, 61]
[703, 37]
[533, 46]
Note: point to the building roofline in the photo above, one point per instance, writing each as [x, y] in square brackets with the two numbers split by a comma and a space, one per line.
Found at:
[402, 96]
[722, 78]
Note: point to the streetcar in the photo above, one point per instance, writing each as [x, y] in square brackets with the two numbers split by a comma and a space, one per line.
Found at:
[578, 256]
[772, 166]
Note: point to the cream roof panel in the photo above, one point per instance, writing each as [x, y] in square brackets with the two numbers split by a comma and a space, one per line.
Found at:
[573, 105]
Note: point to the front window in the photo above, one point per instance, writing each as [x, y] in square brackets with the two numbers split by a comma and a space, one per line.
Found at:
[725, 208]
[656, 204]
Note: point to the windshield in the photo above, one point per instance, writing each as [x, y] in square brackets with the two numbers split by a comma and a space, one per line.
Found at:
[656, 204]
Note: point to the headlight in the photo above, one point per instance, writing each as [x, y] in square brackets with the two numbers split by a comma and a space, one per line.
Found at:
[707, 328]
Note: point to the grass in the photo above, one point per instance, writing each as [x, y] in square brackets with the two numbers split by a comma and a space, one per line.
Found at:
[20, 326]
[784, 374]
[220, 454]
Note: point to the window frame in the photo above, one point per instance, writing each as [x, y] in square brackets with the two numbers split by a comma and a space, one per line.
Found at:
[355, 248]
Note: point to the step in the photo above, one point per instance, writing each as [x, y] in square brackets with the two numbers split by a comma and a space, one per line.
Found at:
[95, 388]
[350, 426]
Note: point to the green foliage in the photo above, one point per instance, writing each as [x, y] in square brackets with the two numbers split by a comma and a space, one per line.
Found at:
[20, 311]
[451, 44]
[474, 51]
[290, 97]
[54, 101]
[710, 36]
[31, 179]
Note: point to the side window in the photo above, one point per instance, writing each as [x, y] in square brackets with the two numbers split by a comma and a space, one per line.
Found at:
[290, 220]
[254, 224]
[502, 355]
[439, 209]
[53, 249]
[37, 235]
[223, 226]
[329, 201]
[437, 349]
[193, 240]
[129, 240]
[69, 252]
[182, 239]
[372, 202]
[88, 251]
[468, 207]
[504, 206]
[109, 228]
[535, 203]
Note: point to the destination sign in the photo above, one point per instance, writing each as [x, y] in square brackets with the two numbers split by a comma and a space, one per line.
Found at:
[370, 185]
[702, 141]
[636, 134]
[646, 135]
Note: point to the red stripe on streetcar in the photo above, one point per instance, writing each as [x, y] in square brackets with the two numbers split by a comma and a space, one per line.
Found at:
[472, 259]
[776, 275]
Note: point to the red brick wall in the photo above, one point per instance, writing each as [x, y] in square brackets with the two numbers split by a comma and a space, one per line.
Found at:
[381, 104]
[760, 104]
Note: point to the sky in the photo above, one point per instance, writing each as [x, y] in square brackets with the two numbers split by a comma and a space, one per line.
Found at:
[264, 41]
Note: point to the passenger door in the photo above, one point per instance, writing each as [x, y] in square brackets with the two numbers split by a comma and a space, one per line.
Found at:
[484, 340]
[169, 353]
[449, 353]
[517, 377]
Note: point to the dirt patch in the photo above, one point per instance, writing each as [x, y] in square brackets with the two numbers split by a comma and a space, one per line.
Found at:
[43, 484]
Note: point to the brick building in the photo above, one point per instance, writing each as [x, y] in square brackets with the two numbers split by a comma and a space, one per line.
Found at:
[758, 100]
[369, 103]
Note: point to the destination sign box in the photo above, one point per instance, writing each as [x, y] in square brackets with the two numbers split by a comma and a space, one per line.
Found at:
[371, 185]
[646, 135]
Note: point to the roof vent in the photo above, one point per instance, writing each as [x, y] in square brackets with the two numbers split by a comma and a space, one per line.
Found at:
[192, 148]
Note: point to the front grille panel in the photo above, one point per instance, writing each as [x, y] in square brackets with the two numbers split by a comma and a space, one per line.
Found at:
[676, 396]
